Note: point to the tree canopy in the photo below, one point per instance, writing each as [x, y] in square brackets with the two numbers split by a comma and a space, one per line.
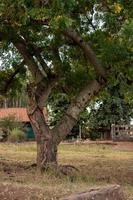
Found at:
[43, 29]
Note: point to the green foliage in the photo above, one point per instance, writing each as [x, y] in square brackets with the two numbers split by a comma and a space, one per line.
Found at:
[94, 134]
[109, 39]
[16, 135]
[57, 104]
[10, 60]
[61, 21]
[111, 109]
[9, 123]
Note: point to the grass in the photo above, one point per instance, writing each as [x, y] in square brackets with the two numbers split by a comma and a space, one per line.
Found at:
[98, 165]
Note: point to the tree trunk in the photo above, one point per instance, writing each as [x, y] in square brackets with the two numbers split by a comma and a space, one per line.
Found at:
[47, 139]
[46, 146]
[46, 152]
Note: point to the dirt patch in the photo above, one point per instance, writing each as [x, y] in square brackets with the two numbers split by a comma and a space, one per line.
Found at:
[126, 146]
[20, 181]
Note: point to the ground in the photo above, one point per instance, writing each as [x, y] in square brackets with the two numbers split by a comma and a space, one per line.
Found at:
[98, 164]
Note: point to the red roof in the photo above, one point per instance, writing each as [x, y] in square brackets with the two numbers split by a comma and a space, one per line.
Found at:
[19, 113]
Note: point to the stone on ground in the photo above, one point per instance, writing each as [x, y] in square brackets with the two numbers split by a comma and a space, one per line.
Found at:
[113, 192]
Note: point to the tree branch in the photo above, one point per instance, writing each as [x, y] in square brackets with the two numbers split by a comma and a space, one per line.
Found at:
[43, 90]
[70, 118]
[21, 45]
[28, 58]
[90, 22]
[37, 53]
[12, 76]
[37, 97]
[90, 55]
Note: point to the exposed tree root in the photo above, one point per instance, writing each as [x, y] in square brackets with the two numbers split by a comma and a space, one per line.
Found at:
[68, 169]
[58, 170]
[33, 165]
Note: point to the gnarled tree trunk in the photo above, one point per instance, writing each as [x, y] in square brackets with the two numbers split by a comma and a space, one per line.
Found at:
[47, 139]
[46, 144]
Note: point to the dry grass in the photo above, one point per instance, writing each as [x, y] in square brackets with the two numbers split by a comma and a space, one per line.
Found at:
[97, 164]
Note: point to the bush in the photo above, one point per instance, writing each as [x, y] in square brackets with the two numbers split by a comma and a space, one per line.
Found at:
[9, 123]
[16, 135]
[94, 135]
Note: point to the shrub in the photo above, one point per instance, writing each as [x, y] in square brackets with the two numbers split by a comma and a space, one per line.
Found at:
[94, 135]
[9, 123]
[16, 135]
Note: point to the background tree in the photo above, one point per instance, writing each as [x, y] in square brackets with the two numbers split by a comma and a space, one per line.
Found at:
[112, 108]
[77, 45]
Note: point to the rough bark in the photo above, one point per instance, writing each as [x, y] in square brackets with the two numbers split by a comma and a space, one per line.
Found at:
[46, 145]
[113, 192]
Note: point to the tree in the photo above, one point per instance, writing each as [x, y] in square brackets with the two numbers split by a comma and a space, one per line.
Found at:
[75, 46]
[112, 108]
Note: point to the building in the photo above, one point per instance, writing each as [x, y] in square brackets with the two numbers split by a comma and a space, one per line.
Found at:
[20, 115]
[122, 132]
